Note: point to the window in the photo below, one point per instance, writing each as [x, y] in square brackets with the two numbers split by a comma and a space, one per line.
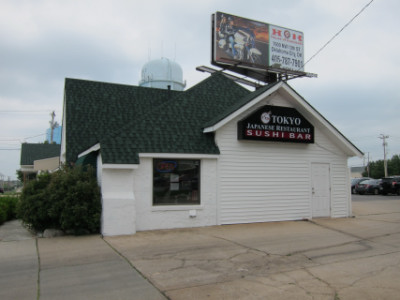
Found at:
[176, 182]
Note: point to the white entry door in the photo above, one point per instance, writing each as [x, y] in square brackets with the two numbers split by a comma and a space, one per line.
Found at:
[321, 199]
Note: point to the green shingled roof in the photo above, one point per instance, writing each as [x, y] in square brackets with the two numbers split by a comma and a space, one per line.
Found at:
[238, 104]
[94, 109]
[129, 120]
[32, 152]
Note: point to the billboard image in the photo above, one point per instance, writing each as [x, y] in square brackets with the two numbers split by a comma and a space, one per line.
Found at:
[246, 43]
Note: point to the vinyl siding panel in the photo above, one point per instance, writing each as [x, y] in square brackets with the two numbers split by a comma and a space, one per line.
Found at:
[271, 181]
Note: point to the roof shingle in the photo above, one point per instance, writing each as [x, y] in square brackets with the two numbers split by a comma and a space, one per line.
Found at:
[128, 120]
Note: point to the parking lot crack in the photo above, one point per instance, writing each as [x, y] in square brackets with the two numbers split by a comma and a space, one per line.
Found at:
[376, 273]
[336, 230]
[379, 214]
[326, 283]
[385, 221]
[360, 239]
[245, 246]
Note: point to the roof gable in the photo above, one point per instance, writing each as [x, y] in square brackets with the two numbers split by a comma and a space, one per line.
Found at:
[305, 108]
[298, 102]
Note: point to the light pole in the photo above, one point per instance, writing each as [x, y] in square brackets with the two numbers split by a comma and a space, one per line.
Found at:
[384, 137]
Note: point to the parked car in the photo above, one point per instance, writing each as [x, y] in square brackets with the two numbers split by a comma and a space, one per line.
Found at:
[390, 185]
[368, 186]
[354, 181]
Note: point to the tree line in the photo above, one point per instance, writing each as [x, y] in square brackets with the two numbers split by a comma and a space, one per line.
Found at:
[376, 168]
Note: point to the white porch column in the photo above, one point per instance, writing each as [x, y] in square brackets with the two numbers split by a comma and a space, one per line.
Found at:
[118, 200]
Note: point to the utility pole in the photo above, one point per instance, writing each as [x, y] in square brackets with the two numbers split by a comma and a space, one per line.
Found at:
[2, 180]
[53, 125]
[384, 143]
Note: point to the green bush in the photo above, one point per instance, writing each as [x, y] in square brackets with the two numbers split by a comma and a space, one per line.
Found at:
[12, 202]
[68, 199]
[3, 213]
[34, 204]
[76, 199]
[8, 206]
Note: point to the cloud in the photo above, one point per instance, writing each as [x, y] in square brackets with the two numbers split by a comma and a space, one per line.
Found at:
[45, 41]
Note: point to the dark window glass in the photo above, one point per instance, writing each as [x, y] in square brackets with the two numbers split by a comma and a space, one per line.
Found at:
[176, 181]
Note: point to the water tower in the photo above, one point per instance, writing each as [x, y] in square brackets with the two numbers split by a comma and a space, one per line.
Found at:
[163, 74]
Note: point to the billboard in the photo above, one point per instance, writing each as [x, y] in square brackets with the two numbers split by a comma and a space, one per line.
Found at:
[247, 44]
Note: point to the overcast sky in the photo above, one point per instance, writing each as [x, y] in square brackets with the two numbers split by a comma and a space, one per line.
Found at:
[43, 42]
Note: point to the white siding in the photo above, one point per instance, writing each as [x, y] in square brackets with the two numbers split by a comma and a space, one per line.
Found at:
[250, 181]
[270, 181]
[118, 202]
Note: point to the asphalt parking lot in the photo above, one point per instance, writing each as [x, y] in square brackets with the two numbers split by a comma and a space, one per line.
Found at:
[351, 258]
[347, 258]
[367, 198]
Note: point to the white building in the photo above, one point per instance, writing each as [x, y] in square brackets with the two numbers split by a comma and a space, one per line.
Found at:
[211, 155]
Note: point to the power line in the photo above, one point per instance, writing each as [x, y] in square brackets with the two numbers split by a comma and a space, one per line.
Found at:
[20, 139]
[25, 111]
[31, 137]
[328, 42]
[9, 140]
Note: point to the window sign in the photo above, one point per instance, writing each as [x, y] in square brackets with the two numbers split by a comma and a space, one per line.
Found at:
[166, 166]
[276, 123]
[176, 182]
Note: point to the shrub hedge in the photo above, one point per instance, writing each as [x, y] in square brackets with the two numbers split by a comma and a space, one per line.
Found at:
[68, 199]
[8, 208]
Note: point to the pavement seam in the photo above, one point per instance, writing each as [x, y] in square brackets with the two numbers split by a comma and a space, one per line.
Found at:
[301, 252]
[391, 222]
[39, 269]
[245, 246]
[336, 230]
[380, 214]
[134, 268]
[368, 239]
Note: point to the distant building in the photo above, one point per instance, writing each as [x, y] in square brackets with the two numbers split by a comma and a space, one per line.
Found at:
[56, 135]
[39, 157]
[356, 172]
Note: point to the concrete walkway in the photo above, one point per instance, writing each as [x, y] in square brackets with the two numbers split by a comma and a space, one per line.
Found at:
[352, 258]
[67, 267]
[19, 264]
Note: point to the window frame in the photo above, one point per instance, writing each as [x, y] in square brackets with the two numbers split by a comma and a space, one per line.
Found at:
[178, 205]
